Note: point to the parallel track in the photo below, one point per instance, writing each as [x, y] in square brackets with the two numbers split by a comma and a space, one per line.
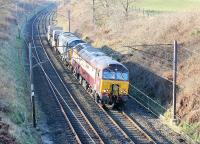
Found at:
[119, 120]
[127, 125]
[118, 133]
[137, 134]
[82, 130]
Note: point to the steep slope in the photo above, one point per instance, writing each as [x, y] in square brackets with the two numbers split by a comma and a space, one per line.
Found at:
[15, 116]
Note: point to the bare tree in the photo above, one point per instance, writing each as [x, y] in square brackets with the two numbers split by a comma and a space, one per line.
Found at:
[108, 4]
[126, 5]
[93, 10]
[105, 3]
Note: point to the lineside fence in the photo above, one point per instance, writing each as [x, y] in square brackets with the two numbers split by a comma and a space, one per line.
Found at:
[146, 12]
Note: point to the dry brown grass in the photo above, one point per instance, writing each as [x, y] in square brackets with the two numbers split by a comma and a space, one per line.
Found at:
[160, 28]
[189, 97]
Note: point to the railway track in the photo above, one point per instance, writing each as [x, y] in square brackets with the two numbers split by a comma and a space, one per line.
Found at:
[116, 130]
[118, 134]
[81, 128]
[135, 133]
[64, 131]
[131, 128]
[125, 129]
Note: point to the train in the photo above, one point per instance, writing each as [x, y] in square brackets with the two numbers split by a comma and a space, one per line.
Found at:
[106, 79]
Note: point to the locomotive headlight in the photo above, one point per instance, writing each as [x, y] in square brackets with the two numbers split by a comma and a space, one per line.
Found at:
[105, 90]
[123, 91]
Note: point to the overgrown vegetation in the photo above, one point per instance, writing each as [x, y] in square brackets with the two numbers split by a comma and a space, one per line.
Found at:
[14, 81]
[149, 37]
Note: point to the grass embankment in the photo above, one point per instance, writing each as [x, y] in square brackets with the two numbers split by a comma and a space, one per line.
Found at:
[15, 96]
[15, 116]
[150, 70]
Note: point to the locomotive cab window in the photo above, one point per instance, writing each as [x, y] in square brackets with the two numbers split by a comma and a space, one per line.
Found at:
[122, 76]
[108, 74]
[115, 74]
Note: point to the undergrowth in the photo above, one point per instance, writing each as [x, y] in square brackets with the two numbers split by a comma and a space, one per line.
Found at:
[15, 109]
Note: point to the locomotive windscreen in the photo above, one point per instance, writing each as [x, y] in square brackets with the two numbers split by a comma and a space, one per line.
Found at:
[116, 72]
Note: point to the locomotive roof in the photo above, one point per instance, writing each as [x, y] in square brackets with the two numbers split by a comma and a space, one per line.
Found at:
[73, 39]
[67, 34]
[95, 57]
[68, 37]
[52, 27]
[57, 31]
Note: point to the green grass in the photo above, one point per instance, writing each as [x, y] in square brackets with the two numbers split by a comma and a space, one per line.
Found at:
[191, 131]
[168, 5]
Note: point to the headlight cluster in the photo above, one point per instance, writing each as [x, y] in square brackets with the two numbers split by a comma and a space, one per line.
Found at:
[105, 90]
[123, 91]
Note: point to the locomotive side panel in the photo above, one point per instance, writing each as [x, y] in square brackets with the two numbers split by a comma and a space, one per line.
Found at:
[84, 69]
[106, 78]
